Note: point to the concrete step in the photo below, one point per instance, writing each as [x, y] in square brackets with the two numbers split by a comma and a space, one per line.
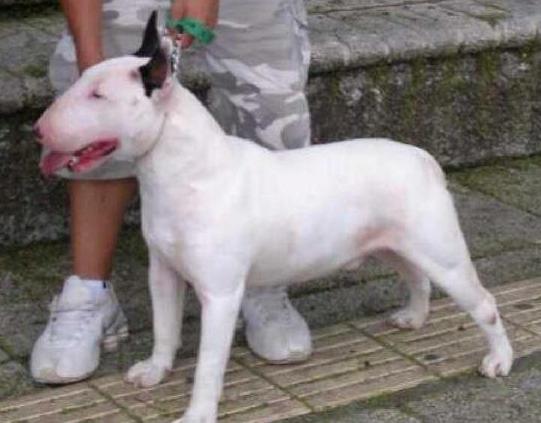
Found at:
[461, 78]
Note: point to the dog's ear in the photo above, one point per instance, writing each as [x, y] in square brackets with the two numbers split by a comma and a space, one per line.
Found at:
[155, 72]
[151, 38]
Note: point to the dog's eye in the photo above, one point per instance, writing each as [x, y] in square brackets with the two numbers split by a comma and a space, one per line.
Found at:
[95, 94]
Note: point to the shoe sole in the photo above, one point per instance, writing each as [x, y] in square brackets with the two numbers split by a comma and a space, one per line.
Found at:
[294, 358]
[116, 333]
[55, 380]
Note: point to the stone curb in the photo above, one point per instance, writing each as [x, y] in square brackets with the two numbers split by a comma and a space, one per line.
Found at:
[351, 36]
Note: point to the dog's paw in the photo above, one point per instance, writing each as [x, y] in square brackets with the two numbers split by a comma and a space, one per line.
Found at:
[205, 413]
[408, 318]
[497, 363]
[196, 419]
[146, 374]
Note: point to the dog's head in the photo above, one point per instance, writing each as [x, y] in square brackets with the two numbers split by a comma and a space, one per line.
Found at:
[116, 108]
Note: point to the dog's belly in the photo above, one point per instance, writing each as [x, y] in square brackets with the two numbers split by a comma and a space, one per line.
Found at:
[279, 273]
[313, 253]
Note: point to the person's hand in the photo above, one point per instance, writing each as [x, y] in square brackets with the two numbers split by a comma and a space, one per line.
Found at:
[205, 11]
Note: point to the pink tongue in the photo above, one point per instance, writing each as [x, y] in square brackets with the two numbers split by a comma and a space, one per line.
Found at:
[53, 161]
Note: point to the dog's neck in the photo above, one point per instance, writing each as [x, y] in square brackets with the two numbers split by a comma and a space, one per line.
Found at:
[190, 144]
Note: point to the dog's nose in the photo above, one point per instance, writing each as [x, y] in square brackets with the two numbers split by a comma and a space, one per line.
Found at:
[37, 131]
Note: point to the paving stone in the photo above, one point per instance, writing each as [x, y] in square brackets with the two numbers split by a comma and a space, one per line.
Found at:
[334, 353]
[244, 391]
[14, 380]
[479, 216]
[12, 92]
[50, 23]
[514, 183]
[271, 412]
[356, 413]
[20, 326]
[450, 342]
[345, 366]
[352, 361]
[516, 398]
[8, 28]
[509, 266]
[336, 394]
[526, 312]
[74, 403]
[27, 50]
[324, 6]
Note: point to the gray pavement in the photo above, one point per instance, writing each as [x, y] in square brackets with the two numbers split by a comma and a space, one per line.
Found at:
[468, 398]
[356, 360]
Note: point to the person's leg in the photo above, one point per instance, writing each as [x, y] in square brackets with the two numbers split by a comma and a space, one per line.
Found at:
[86, 313]
[97, 209]
[258, 65]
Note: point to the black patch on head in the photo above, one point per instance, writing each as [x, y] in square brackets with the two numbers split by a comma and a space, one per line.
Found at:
[154, 73]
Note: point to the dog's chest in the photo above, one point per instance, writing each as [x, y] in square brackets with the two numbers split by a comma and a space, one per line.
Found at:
[165, 224]
[183, 230]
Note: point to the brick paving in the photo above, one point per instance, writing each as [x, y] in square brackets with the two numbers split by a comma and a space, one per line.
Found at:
[354, 360]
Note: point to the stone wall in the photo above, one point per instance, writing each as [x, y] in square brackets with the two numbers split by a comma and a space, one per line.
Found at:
[464, 109]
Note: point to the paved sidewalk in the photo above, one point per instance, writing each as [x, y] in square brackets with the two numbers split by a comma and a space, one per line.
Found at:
[355, 360]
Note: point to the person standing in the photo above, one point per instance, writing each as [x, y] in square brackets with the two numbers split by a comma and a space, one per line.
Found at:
[258, 67]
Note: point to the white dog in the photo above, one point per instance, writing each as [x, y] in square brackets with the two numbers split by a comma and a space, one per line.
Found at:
[222, 213]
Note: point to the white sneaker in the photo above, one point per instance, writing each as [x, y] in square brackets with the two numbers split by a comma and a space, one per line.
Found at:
[275, 331]
[68, 350]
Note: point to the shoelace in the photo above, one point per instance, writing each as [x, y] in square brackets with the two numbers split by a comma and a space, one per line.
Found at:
[69, 323]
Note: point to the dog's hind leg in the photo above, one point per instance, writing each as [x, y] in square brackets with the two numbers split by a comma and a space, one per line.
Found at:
[437, 247]
[462, 284]
[415, 313]
[167, 294]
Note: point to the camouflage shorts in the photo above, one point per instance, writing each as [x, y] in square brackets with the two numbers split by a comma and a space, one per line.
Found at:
[257, 64]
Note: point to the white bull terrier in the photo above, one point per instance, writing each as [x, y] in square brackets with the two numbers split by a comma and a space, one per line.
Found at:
[222, 213]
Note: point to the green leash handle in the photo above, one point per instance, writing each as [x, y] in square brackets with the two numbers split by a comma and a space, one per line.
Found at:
[193, 27]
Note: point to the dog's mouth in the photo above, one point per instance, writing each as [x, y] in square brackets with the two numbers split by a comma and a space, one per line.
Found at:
[78, 161]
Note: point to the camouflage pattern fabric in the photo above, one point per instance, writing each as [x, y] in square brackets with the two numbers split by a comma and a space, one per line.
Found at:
[257, 64]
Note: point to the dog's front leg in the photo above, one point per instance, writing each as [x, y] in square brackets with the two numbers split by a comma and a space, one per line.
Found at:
[167, 294]
[218, 316]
